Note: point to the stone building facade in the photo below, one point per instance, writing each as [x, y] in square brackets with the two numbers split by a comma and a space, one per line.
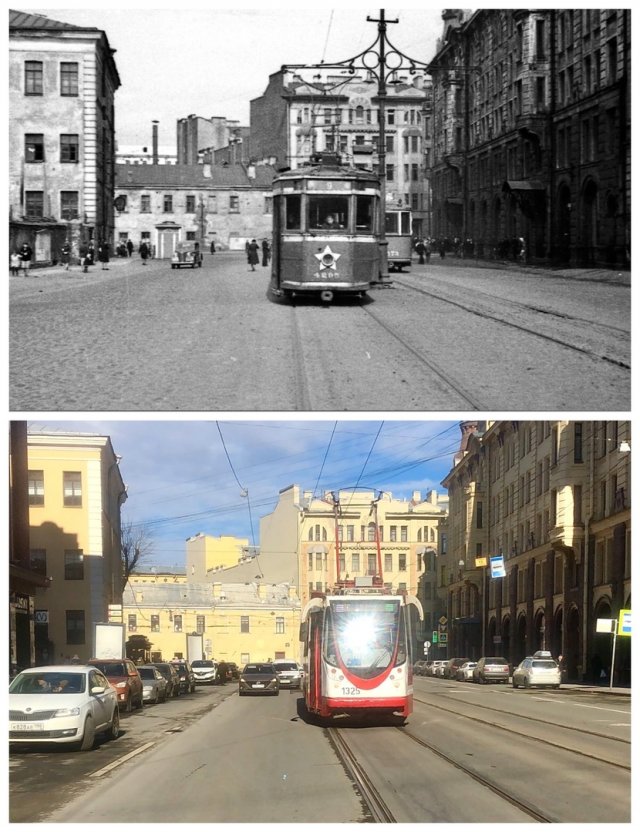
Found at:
[166, 204]
[62, 80]
[531, 133]
[552, 498]
[299, 116]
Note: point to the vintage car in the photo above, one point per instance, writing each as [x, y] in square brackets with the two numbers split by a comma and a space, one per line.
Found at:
[186, 254]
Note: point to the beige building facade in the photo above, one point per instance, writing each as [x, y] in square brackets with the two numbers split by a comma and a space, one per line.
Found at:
[552, 500]
[62, 82]
[207, 555]
[75, 496]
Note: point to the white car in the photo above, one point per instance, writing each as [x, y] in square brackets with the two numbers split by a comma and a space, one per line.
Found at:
[205, 671]
[289, 673]
[537, 671]
[62, 704]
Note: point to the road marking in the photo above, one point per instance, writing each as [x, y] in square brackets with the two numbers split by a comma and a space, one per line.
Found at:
[119, 762]
[598, 708]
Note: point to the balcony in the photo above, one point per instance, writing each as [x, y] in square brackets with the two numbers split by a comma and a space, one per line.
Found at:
[565, 538]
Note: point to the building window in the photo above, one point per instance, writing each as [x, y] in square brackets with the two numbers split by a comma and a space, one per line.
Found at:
[402, 562]
[310, 561]
[36, 488]
[155, 623]
[177, 623]
[268, 205]
[577, 442]
[244, 623]
[38, 561]
[132, 623]
[75, 627]
[350, 534]
[279, 625]
[393, 533]
[371, 564]
[33, 78]
[34, 204]
[145, 204]
[68, 79]
[69, 205]
[200, 624]
[390, 174]
[72, 488]
[355, 562]
[73, 565]
[479, 515]
[391, 116]
[371, 532]
[403, 534]
[388, 562]
[69, 147]
[167, 204]
[191, 235]
[34, 147]
[191, 205]
[234, 204]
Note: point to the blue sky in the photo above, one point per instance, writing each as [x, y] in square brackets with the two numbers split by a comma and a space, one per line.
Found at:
[212, 61]
[180, 481]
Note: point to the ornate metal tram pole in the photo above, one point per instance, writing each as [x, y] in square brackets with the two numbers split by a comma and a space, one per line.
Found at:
[382, 60]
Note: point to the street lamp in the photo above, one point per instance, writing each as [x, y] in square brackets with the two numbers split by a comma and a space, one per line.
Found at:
[382, 60]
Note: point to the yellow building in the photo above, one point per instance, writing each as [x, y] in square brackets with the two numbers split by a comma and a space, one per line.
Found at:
[552, 500]
[207, 555]
[75, 496]
[334, 536]
[239, 622]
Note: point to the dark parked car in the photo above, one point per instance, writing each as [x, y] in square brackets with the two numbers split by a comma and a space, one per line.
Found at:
[451, 668]
[171, 675]
[124, 678]
[492, 669]
[185, 675]
[233, 671]
[259, 678]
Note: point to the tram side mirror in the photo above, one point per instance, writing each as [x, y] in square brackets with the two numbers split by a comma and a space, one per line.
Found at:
[303, 632]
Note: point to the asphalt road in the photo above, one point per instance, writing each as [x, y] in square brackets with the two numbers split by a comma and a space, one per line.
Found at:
[445, 336]
[469, 753]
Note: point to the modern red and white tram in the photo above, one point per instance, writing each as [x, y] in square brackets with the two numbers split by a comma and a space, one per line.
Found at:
[357, 652]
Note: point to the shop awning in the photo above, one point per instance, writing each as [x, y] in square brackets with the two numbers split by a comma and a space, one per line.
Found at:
[523, 185]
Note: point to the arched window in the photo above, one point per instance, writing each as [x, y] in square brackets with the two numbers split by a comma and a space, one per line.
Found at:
[433, 535]
[324, 533]
[419, 535]
[317, 532]
[371, 532]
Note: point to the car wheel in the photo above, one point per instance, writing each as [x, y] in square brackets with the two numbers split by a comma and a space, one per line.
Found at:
[114, 729]
[514, 683]
[527, 683]
[141, 702]
[89, 736]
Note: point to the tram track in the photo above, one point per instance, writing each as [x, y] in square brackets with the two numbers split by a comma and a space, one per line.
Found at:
[528, 330]
[492, 724]
[378, 808]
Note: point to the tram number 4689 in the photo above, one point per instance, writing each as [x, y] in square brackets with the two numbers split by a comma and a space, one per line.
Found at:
[350, 691]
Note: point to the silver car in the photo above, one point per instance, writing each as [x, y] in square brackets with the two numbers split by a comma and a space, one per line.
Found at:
[154, 685]
[289, 673]
[465, 672]
[437, 667]
[66, 704]
[536, 672]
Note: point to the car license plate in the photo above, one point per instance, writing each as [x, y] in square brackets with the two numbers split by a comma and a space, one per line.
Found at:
[26, 726]
[258, 685]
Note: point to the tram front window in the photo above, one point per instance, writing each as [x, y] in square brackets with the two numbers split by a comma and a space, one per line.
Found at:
[364, 639]
[328, 212]
[293, 212]
[364, 214]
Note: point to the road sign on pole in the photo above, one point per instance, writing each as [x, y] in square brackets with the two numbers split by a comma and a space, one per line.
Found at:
[435, 637]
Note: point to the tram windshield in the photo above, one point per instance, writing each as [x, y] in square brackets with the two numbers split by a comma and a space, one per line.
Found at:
[398, 222]
[363, 636]
[328, 212]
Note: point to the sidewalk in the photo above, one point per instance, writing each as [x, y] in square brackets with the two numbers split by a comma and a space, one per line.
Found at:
[617, 277]
[587, 688]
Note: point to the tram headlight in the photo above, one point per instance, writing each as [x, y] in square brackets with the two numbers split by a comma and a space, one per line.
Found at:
[327, 260]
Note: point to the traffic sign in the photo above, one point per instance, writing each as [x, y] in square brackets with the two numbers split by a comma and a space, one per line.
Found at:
[435, 637]
[443, 638]
[624, 623]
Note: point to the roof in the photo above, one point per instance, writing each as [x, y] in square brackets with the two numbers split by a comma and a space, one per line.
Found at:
[24, 20]
[197, 595]
[193, 176]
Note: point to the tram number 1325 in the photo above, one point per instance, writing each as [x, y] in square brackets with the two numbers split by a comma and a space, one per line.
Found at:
[351, 691]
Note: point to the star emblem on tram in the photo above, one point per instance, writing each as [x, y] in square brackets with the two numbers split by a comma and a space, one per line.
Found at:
[328, 259]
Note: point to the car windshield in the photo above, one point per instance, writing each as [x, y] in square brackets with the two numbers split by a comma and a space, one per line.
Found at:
[48, 683]
[544, 663]
[111, 668]
[147, 672]
[259, 668]
[202, 663]
[286, 666]
[494, 660]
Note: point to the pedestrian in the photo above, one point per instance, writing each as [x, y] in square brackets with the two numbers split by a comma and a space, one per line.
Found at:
[91, 254]
[129, 248]
[65, 255]
[25, 257]
[213, 247]
[266, 252]
[427, 249]
[562, 666]
[197, 254]
[442, 248]
[15, 263]
[420, 251]
[521, 249]
[252, 255]
[103, 255]
[84, 256]
[144, 252]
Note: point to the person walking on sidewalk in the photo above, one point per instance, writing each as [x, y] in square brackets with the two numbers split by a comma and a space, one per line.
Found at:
[144, 252]
[103, 255]
[65, 255]
[252, 255]
[26, 253]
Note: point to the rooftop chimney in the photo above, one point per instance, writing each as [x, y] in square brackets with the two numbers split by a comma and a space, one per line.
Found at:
[155, 142]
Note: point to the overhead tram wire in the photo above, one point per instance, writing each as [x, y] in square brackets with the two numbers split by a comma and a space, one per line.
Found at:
[243, 491]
